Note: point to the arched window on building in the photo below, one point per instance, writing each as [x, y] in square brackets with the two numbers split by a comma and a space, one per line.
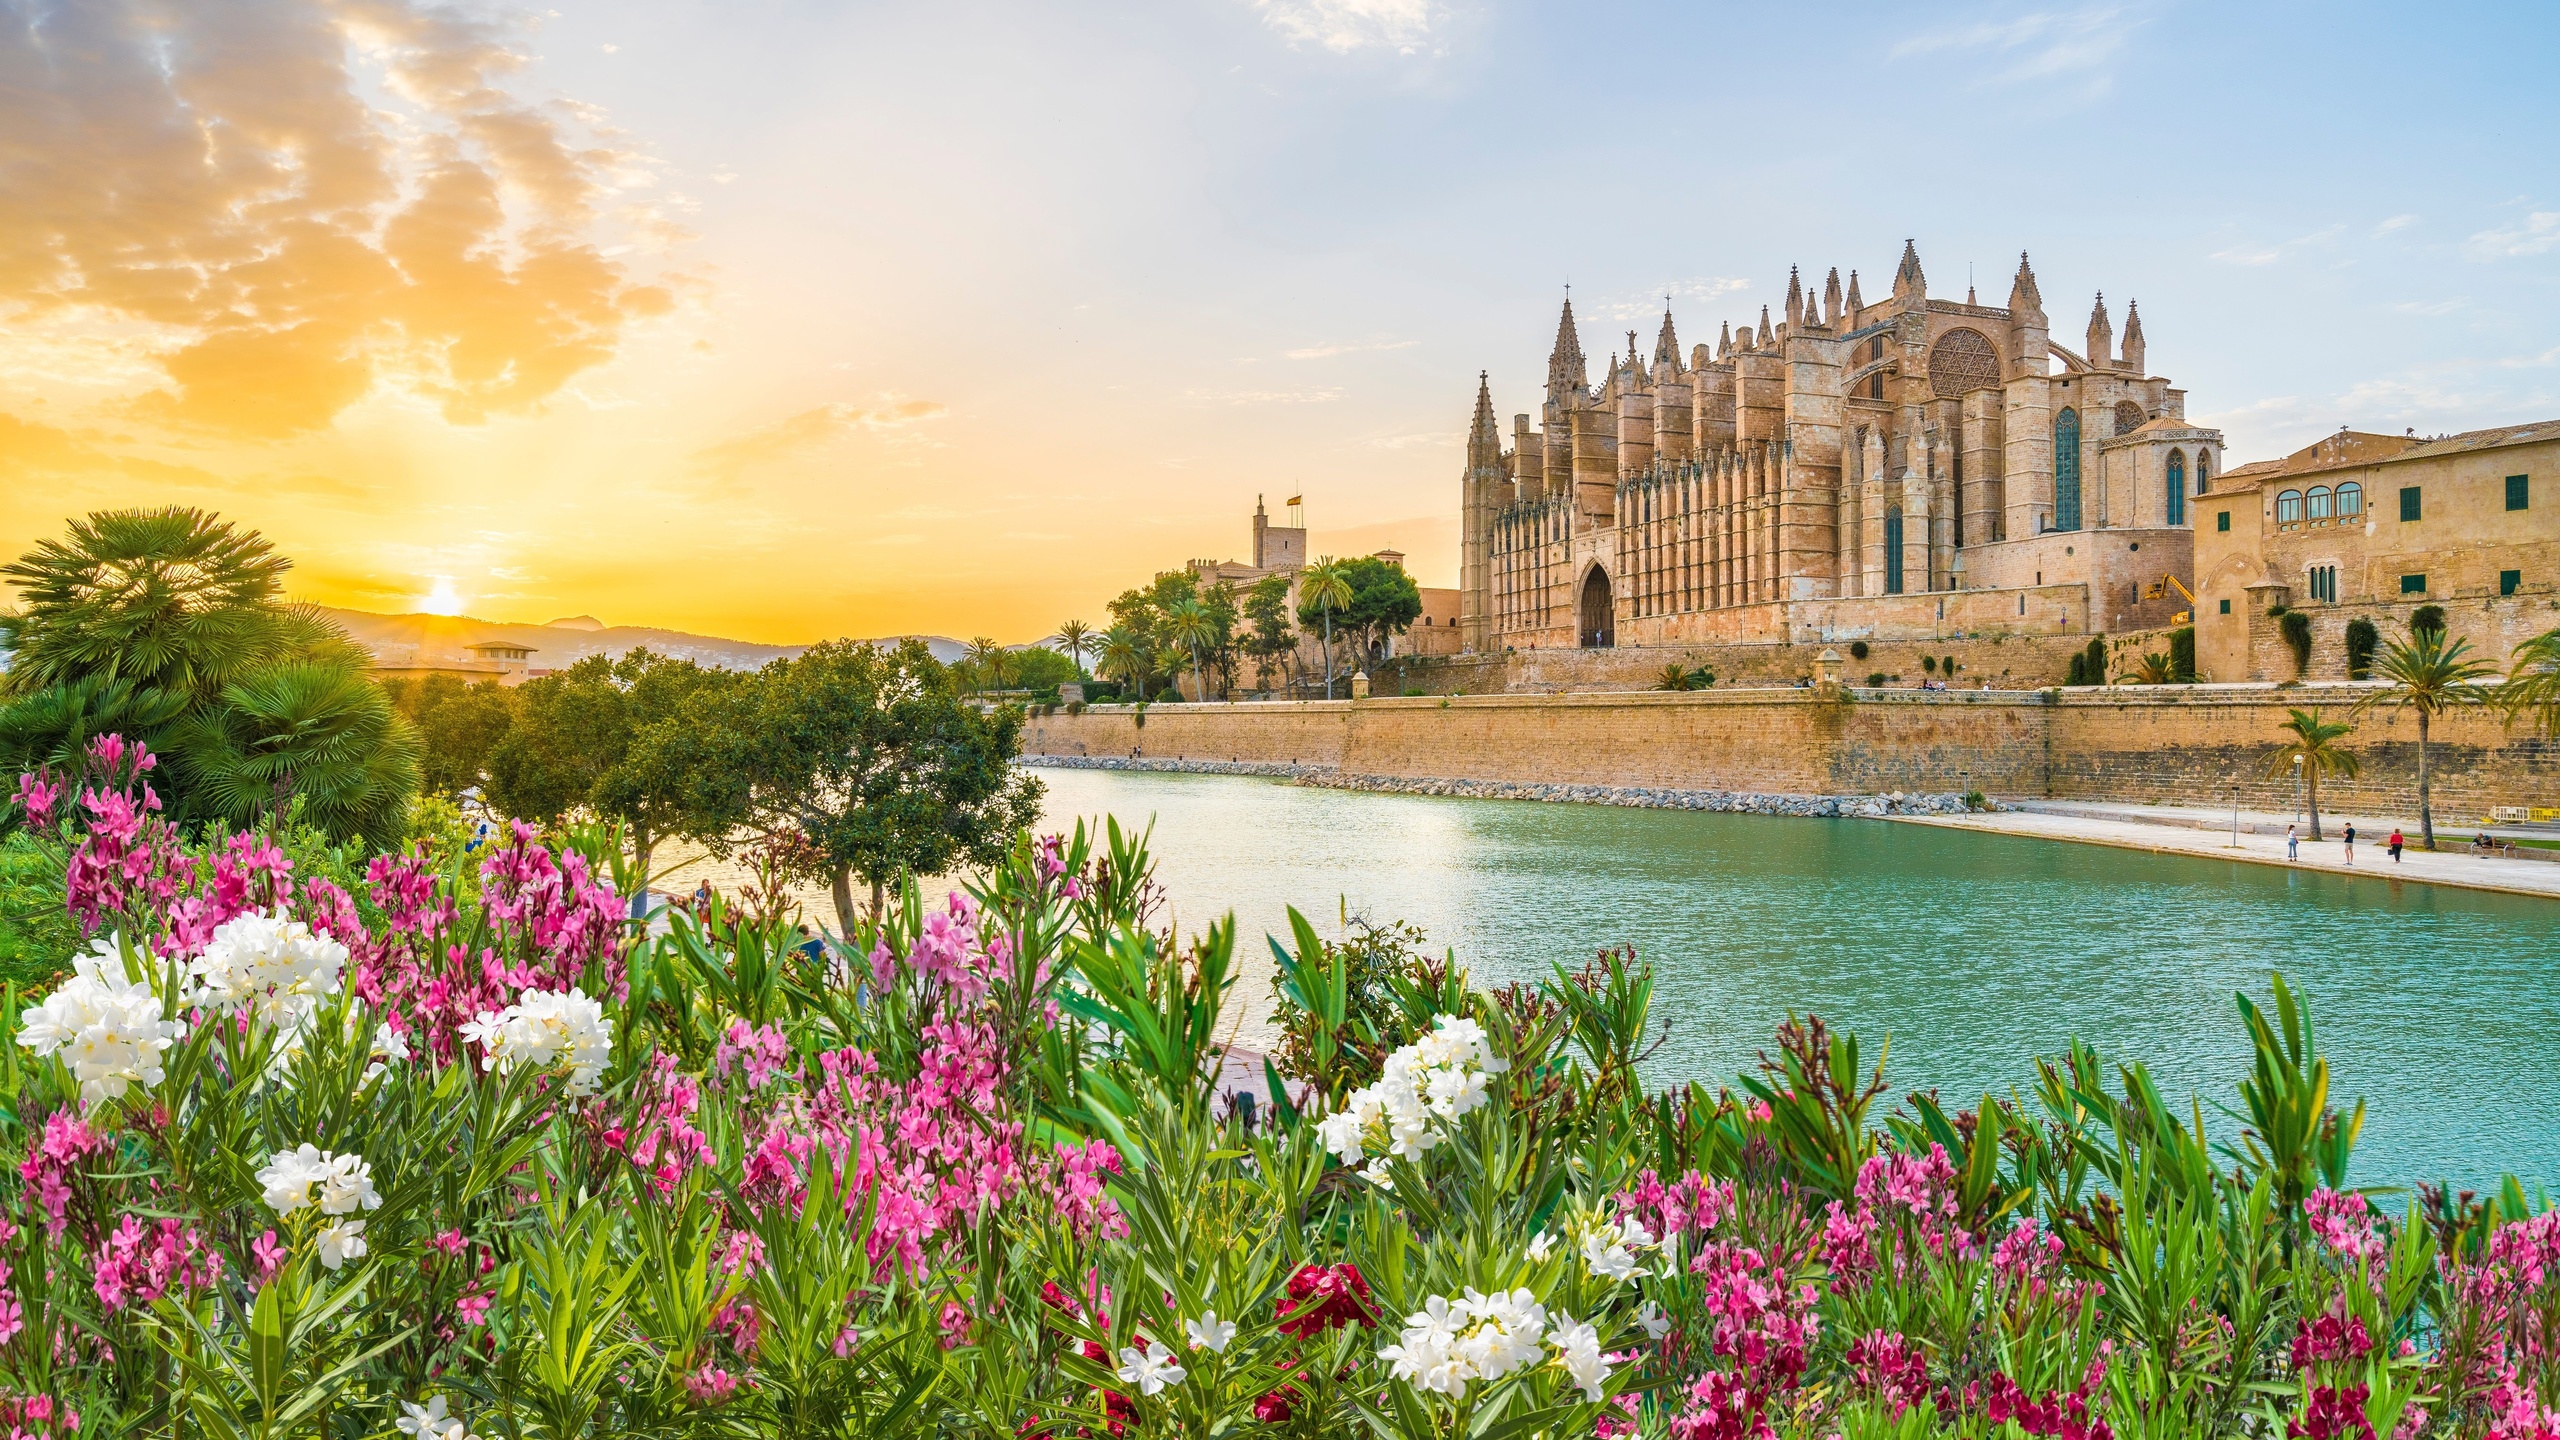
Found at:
[2350, 500]
[2177, 487]
[2288, 506]
[2066, 469]
[2317, 507]
[2129, 417]
[1893, 551]
[2204, 470]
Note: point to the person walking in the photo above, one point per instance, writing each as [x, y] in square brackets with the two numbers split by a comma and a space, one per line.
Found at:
[2351, 842]
[2394, 842]
[2292, 843]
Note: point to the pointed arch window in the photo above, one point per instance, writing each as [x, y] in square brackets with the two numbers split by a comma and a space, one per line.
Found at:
[2204, 470]
[2066, 469]
[2177, 487]
[1893, 551]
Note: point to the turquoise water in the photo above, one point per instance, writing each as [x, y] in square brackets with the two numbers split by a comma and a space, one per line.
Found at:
[1972, 952]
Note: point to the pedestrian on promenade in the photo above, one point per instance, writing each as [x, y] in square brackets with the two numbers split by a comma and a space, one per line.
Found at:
[2292, 843]
[2351, 842]
[2395, 843]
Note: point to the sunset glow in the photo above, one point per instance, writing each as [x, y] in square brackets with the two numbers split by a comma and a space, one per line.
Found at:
[850, 321]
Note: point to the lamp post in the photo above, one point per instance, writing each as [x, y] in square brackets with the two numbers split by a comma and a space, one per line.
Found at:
[2297, 786]
[2235, 815]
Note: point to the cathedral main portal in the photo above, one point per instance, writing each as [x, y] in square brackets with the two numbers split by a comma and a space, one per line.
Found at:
[1599, 624]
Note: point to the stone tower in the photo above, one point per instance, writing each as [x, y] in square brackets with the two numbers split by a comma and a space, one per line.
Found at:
[1487, 491]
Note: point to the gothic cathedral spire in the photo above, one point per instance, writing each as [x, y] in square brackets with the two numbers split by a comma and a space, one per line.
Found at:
[2133, 356]
[1666, 346]
[1566, 377]
[2102, 336]
[1908, 282]
[2022, 291]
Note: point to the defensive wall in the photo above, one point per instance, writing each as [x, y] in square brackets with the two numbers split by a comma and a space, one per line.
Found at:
[2154, 744]
[2008, 661]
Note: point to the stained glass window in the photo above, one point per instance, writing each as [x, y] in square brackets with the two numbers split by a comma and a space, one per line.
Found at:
[2066, 469]
[2177, 487]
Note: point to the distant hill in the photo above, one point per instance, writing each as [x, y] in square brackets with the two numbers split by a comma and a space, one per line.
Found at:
[435, 639]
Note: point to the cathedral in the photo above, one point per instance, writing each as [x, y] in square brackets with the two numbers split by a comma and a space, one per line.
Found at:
[1903, 470]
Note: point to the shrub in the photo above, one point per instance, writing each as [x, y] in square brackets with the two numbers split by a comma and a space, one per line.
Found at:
[1413, 692]
[2094, 666]
[1874, 678]
[1075, 707]
[2362, 640]
[1947, 665]
[1858, 649]
[2295, 626]
[1976, 800]
[1928, 664]
[2182, 655]
[2427, 617]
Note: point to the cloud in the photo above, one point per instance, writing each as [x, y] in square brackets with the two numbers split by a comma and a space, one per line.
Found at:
[2037, 45]
[2536, 234]
[1343, 26]
[2396, 222]
[2260, 253]
[1325, 352]
[308, 201]
[33, 451]
[1313, 395]
[810, 430]
[1649, 302]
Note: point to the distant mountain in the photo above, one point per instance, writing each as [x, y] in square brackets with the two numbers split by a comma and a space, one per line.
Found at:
[435, 639]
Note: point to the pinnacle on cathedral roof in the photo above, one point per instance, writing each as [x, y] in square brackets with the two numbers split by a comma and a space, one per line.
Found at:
[2022, 291]
[1666, 346]
[1765, 337]
[1831, 296]
[1854, 303]
[1795, 297]
[1907, 279]
[1724, 339]
[1484, 423]
[2132, 322]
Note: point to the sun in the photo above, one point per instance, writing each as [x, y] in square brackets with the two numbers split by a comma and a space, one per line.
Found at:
[443, 599]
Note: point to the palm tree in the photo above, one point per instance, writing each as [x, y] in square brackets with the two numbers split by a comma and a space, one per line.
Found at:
[1167, 661]
[317, 732]
[2314, 749]
[1187, 623]
[2533, 684]
[1672, 677]
[1123, 656]
[2155, 669]
[2431, 675]
[1326, 586]
[167, 597]
[985, 661]
[1075, 637]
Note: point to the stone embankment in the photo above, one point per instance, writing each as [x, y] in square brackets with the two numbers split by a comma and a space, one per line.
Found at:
[1647, 797]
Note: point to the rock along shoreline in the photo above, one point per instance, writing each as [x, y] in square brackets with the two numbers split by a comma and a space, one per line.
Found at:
[1647, 797]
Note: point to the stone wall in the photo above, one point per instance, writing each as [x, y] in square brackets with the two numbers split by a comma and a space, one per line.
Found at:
[2184, 744]
[2008, 661]
[2493, 626]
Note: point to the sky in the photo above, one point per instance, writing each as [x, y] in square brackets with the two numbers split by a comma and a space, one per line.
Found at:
[784, 320]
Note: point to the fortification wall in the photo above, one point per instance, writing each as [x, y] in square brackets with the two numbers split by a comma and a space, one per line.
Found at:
[2007, 661]
[2183, 745]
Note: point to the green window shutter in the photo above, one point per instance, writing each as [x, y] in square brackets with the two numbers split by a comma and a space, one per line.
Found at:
[2413, 584]
[2226, 607]
[2222, 520]
[2509, 580]
[2517, 486]
[2408, 502]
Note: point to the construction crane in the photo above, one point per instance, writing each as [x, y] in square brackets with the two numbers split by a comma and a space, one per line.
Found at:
[2160, 590]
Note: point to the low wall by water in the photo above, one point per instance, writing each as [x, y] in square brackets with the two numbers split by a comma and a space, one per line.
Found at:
[2157, 745]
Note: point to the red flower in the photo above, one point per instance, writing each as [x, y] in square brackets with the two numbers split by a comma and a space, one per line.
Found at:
[1327, 1296]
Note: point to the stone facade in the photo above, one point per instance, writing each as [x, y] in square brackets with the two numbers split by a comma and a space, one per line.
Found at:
[2149, 744]
[1813, 476]
[2373, 526]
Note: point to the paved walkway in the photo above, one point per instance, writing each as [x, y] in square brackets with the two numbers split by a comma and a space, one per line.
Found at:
[2453, 865]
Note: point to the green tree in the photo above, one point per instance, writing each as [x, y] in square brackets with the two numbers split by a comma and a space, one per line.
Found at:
[573, 746]
[458, 724]
[1323, 590]
[867, 755]
[169, 625]
[1124, 656]
[2153, 669]
[1075, 637]
[2532, 685]
[1188, 624]
[1271, 638]
[984, 665]
[1384, 603]
[2311, 748]
[2431, 676]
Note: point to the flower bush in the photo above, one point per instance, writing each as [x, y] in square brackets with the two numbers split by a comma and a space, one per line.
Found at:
[445, 1146]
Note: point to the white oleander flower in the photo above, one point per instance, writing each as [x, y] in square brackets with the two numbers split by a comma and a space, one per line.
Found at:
[341, 1243]
[1541, 1246]
[430, 1422]
[270, 966]
[1609, 1249]
[1149, 1372]
[1209, 1332]
[1577, 1348]
[1655, 1323]
[1422, 1088]
[309, 1175]
[547, 1030]
[110, 1030]
[1447, 1344]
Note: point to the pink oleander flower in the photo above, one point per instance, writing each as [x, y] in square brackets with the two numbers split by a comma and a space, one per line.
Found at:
[472, 1308]
[1892, 1367]
[138, 1264]
[2343, 1222]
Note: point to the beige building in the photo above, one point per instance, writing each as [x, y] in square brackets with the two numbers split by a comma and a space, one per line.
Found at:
[1282, 550]
[1913, 468]
[2373, 526]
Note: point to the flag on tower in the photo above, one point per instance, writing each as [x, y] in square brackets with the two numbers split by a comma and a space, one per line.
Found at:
[1297, 499]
